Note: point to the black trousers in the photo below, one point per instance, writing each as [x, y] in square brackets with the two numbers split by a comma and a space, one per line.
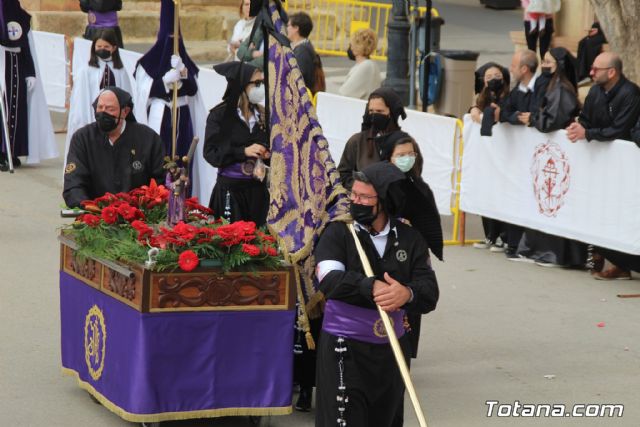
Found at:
[373, 382]
[535, 35]
[304, 364]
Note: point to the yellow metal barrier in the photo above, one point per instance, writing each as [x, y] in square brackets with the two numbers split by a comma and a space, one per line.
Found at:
[335, 20]
[459, 219]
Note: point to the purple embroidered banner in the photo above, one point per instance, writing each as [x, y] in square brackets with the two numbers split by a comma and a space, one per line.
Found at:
[305, 185]
[164, 366]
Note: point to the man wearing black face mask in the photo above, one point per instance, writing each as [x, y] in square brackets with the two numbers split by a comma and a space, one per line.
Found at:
[114, 154]
[403, 282]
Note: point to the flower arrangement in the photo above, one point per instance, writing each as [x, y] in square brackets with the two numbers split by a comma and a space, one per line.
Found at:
[124, 226]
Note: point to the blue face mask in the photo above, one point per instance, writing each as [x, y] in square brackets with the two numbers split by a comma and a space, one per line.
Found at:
[405, 163]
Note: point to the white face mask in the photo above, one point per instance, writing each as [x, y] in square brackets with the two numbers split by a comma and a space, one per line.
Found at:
[405, 163]
[256, 94]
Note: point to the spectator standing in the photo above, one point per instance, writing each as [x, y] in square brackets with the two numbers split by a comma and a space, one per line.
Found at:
[241, 31]
[381, 116]
[364, 77]
[588, 49]
[298, 29]
[538, 23]
[612, 106]
[492, 86]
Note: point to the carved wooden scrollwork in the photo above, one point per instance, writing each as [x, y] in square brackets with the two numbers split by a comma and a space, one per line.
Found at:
[176, 291]
[86, 268]
[122, 285]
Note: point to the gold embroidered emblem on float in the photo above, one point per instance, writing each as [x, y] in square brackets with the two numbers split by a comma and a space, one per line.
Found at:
[378, 328]
[70, 167]
[95, 342]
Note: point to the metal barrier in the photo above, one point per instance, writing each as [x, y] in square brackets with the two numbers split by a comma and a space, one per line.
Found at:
[458, 234]
[335, 20]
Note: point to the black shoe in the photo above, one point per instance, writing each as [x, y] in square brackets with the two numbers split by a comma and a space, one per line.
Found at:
[16, 162]
[304, 399]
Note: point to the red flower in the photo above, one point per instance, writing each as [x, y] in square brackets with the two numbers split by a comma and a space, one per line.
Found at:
[188, 260]
[109, 215]
[193, 204]
[90, 220]
[153, 194]
[251, 250]
[127, 211]
[185, 231]
[271, 251]
[143, 229]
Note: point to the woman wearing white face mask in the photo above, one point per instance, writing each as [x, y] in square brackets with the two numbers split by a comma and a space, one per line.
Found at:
[403, 151]
[104, 69]
[236, 143]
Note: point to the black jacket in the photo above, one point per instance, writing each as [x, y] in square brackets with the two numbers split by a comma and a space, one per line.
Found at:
[421, 210]
[94, 167]
[559, 108]
[224, 142]
[609, 116]
[305, 55]
[523, 102]
[406, 262]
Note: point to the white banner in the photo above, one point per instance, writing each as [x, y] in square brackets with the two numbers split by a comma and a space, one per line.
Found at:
[341, 117]
[584, 191]
[51, 57]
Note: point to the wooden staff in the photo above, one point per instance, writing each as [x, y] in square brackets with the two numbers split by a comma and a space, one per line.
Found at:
[391, 333]
[5, 129]
[174, 104]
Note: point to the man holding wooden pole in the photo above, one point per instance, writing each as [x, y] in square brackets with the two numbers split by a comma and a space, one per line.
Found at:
[358, 377]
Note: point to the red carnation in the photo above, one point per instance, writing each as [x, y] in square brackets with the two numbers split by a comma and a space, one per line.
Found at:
[188, 260]
[271, 251]
[109, 215]
[143, 229]
[90, 220]
[251, 250]
[127, 211]
[185, 231]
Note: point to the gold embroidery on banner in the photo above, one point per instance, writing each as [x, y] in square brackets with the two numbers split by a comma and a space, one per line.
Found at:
[95, 341]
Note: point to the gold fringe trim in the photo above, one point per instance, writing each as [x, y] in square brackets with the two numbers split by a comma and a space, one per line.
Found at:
[303, 318]
[315, 306]
[173, 416]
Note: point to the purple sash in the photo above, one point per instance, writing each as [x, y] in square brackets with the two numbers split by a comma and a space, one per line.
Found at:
[102, 19]
[358, 323]
[242, 170]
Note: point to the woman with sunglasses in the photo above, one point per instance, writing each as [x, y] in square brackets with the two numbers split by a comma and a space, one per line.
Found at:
[236, 143]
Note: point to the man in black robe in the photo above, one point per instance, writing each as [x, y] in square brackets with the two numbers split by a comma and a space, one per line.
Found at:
[114, 154]
[358, 380]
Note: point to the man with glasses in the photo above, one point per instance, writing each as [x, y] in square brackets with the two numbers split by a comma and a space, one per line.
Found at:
[358, 380]
[612, 105]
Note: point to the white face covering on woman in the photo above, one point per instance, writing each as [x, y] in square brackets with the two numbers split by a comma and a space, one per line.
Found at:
[256, 95]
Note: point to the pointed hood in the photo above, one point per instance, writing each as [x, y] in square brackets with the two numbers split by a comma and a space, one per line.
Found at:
[15, 24]
[157, 61]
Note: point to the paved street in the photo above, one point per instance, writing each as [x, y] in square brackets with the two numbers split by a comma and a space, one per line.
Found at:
[503, 331]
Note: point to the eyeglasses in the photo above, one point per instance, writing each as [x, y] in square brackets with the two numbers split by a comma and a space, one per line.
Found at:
[355, 196]
[257, 83]
[596, 69]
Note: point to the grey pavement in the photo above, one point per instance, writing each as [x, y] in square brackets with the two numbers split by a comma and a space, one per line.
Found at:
[502, 331]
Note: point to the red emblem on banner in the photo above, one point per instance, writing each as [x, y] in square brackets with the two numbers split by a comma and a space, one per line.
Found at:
[551, 177]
